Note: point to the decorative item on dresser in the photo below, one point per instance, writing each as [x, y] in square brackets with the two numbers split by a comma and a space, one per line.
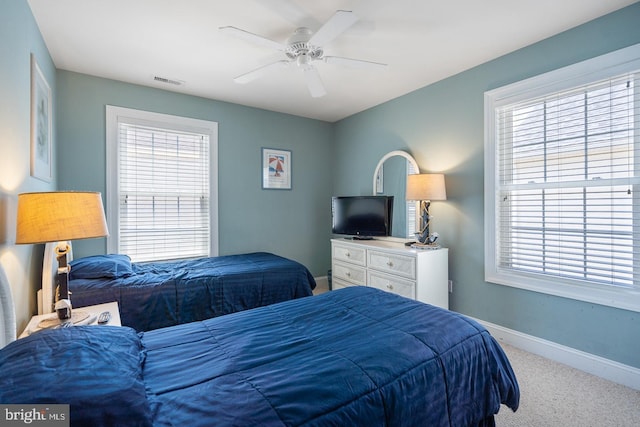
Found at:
[424, 188]
[391, 266]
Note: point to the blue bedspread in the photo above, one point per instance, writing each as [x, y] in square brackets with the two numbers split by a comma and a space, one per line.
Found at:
[155, 295]
[352, 357]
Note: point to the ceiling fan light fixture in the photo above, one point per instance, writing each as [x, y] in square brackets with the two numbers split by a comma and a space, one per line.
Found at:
[303, 60]
[298, 44]
[300, 35]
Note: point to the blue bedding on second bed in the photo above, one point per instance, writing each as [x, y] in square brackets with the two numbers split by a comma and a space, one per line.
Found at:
[357, 356]
[352, 357]
[155, 295]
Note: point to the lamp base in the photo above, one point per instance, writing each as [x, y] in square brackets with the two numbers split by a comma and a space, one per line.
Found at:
[77, 316]
[423, 235]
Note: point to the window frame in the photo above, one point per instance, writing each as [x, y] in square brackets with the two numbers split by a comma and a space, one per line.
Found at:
[114, 115]
[602, 67]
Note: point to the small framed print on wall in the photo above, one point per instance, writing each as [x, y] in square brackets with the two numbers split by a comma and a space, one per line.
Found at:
[276, 169]
[41, 142]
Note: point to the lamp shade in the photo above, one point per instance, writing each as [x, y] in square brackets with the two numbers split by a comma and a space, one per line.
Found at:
[56, 216]
[426, 186]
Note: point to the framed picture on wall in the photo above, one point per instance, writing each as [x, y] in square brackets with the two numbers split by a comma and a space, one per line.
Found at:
[41, 142]
[276, 169]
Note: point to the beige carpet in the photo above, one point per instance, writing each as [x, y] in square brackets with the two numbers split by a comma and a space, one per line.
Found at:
[552, 394]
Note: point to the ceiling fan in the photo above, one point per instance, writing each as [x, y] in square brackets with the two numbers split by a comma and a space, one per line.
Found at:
[303, 48]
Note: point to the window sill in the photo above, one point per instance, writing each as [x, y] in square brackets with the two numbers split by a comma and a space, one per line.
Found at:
[618, 297]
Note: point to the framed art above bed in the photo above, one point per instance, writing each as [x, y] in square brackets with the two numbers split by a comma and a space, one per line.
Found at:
[41, 136]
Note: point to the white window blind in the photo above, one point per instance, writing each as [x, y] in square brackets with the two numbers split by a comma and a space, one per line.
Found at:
[164, 193]
[412, 220]
[567, 171]
[562, 177]
[161, 185]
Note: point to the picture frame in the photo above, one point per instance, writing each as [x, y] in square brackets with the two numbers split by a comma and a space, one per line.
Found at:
[41, 112]
[276, 169]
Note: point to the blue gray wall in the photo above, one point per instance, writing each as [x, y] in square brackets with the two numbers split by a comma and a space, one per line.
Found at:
[442, 126]
[19, 39]
[293, 223]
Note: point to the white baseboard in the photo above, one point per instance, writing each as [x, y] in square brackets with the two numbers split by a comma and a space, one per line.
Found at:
[595, 365]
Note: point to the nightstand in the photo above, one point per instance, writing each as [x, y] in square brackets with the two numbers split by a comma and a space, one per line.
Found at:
[93, 311]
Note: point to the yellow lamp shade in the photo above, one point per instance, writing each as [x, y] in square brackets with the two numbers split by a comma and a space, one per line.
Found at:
[55, 216]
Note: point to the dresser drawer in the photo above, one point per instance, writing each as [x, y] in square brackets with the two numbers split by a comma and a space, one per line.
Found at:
[340, 284]
[401, 265]
[392, 284]
[350, 273]
[349, 254]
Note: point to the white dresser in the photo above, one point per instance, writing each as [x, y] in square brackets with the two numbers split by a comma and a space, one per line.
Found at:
[393, 267]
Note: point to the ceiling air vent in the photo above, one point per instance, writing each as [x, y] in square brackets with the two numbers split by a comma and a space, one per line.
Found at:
[168, 81]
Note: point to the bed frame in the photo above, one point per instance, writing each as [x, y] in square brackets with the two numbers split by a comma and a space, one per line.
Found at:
[46, 295]
[7, 312]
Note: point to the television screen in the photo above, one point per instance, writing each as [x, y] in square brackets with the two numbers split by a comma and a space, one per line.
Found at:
[362, 216]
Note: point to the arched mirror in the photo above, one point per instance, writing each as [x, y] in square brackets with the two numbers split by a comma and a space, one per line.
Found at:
[390, 179]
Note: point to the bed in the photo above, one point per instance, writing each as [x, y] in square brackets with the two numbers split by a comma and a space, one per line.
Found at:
[356, 356]
[158, 294]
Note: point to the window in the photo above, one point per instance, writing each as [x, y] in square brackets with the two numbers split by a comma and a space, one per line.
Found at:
[562, 173]
[161, 185]
[413, 223]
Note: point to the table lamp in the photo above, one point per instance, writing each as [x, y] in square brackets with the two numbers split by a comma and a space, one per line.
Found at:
[58, 217]
[425, 187]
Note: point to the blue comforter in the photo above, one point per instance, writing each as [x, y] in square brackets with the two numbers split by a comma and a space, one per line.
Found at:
[352, 357]
[155, 295]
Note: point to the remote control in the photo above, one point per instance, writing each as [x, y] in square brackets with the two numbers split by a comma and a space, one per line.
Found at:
[104, 317]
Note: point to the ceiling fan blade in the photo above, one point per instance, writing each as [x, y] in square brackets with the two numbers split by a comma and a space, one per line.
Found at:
[314, 83]
[335, 26]
[253, 38]
[353, 63]
[252, 75]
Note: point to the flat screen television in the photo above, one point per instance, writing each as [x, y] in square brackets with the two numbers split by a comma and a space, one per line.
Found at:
[362, 217]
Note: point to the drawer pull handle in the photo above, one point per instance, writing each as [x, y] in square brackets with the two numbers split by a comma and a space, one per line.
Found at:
[348, 254]
[390, 287]
[389, 264]
[348, 274]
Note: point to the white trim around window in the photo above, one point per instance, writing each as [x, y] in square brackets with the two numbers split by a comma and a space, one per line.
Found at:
[501, 161]
[187, 135]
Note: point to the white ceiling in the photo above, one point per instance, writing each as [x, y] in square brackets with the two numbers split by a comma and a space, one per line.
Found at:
[422, 41]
